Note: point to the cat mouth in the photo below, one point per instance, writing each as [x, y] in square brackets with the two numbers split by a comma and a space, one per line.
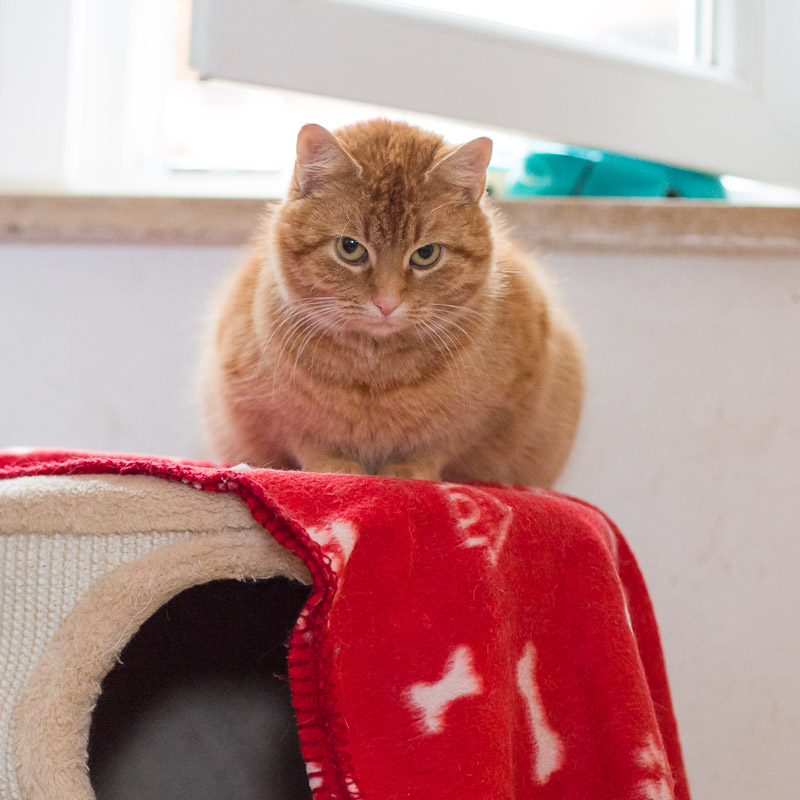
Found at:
[380, 326]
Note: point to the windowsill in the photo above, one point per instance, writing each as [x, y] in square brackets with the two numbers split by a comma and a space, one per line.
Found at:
[545, 224]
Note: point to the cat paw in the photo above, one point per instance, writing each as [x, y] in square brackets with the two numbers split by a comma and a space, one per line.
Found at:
[416, 472]
[338, 466]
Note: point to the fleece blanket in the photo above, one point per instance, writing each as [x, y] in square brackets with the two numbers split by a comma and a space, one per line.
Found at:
[459, 641]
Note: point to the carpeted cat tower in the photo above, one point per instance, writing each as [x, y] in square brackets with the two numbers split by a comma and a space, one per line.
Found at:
[444, 641]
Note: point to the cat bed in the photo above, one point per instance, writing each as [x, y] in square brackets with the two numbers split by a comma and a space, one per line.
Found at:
[454, 640]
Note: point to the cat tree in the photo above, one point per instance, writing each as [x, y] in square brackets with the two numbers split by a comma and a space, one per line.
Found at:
[456, 641]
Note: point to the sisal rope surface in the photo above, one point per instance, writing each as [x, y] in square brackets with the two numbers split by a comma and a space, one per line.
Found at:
[48, 560]
[43, 576]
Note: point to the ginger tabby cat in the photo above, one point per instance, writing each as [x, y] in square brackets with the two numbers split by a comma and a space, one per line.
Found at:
[386, 324]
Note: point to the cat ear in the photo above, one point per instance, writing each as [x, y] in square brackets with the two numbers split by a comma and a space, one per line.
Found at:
[466, 167]
[319, 156]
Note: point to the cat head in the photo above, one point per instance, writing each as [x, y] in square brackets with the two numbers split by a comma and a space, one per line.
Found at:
[383, 229]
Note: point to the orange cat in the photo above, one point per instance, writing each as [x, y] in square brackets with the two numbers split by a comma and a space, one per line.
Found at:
[385, 323]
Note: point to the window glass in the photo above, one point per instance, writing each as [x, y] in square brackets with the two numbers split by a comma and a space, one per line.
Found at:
[224, 127]
[143, 122]
[674, 28]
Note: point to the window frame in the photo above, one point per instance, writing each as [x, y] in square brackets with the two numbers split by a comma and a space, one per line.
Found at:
[35, 124]
[83, 120]
[740, 117]
[86, 121]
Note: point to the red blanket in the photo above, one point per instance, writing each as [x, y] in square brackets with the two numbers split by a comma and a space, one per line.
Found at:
[460, 641]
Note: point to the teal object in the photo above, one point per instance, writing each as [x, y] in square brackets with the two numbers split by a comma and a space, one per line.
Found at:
[575, 171]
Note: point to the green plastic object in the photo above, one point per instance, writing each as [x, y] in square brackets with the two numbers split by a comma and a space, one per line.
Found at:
[593, 173]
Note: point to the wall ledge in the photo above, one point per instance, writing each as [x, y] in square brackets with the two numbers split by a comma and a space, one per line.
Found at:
[547, 224]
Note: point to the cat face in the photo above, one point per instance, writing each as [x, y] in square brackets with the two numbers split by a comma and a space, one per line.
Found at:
[382, 231]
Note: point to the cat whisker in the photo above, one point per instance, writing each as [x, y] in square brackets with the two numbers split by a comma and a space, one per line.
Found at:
[449, 324]
[464, 350]
[332, 322]
[459, 310]
[309, 318]
[442, 205]
[460, 348]
[458, 363]
[317, 326]
[428, 332]
[349, 225]
[291, 336]
[289, 316]
[314, 303]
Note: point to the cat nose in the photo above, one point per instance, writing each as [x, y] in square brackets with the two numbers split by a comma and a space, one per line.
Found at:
[386, 304]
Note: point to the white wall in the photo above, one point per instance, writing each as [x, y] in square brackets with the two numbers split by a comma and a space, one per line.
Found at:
[98, 345]
[690, 441]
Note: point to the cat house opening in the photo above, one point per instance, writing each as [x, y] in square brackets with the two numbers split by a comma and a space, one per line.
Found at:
[199, 705]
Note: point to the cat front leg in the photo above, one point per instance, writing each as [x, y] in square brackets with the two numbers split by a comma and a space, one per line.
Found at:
[318, 458]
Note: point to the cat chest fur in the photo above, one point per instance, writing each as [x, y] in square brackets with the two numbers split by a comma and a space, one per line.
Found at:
[374, 420]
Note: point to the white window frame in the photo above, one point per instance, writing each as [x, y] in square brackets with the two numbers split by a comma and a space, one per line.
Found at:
[34, 115]
[74, 116]
[740, 117]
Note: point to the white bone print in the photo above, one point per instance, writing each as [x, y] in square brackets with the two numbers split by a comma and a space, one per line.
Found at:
[610, 539]
[352, 788]
[548, 749]
[431, 700]
[481, 518]
[652, 758]
[337, 540]
[314, 772]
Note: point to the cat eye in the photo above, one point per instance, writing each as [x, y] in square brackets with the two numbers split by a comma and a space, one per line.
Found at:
[426, 256]
[350, 250]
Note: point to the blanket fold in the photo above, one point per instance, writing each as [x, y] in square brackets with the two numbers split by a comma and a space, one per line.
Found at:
[460, 641]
